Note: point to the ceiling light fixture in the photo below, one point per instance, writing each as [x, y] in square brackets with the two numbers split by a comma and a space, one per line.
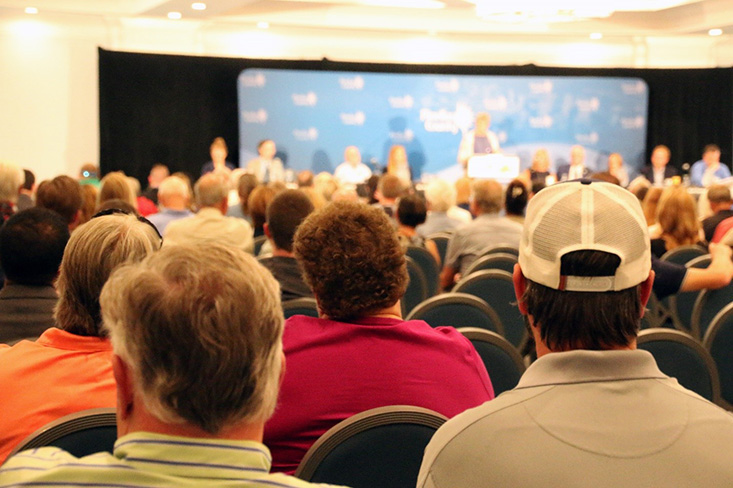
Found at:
[263, 25]
[596, 36]
[715, 32]
[198, 6]
[174, 15]
[31, 10]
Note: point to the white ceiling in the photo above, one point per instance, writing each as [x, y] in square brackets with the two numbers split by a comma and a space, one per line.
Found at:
[437, 17]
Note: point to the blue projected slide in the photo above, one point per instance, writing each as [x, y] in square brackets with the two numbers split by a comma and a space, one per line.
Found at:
[313, 115]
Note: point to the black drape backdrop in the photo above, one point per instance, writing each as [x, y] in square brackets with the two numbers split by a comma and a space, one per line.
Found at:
[168, 109]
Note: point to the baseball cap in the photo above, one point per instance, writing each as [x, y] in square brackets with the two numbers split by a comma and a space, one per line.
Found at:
[584, 215]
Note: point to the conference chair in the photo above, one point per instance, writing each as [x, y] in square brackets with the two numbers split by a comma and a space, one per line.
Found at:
[719, 342]
[680, 356]
[496, 288]
[429, 267]
[502, 248]
[457, 310]
[683, 254]
[655, 315]
[707, 305]
[498, 260]
[681, 304]
[300, 306]
[502, 360]
[382, 447]
[441, 241]
[81, 433]
[418, 289]
[258, 242]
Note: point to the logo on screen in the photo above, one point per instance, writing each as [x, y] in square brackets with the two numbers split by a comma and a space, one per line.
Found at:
[401, 102]
[355, 83]
[633, 88]
[256, 80]
[541, 87]
[309, 99]
[449, 86]
[541, 122]
[309, 134]
[587, 105]
[439, 120]
[591, 138]
[498, 103]
[255, 117]
[632, 122]
[405, 136]
[357, 118]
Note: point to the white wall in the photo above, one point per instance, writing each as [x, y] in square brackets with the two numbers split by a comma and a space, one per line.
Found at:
[49, 86]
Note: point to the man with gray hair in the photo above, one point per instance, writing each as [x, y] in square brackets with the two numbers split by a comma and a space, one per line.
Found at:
[210, 224]
[68, 368]
[441, 199]
[488, 229]
[173, 195]
[197, 337]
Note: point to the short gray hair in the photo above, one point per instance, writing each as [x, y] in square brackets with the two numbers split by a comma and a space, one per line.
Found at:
[210, 190]
[173, 185]
[11, 178]
[487, 195]
[200, 326]
[441, 195]
[94, 250]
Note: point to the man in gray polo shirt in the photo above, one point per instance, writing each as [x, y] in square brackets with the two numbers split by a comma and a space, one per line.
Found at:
[592, 410]
[488, 229]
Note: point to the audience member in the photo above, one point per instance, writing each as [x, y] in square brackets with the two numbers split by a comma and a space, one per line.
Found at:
[284, 214]
[316, 197]
[616, 168]
[516, 197]
[64, 196]
[145, 206]
[576, 169]
[659, 170]
[27, 192]
[489, 228]
[671, 278]
[352, 171]
[677, 219]
[257, 204]
[389, 189]
[116, 204]
[463, 193]
[115, 186]
[398, 165]
[197, 339]
[441, 197]
[599, 412]
[650, 206]
[89, 174]
[305, 178]
[158, 173]
[266, 167]
[360, 354]
[31, 247]
[11, 180]
[607, 177]
[709, 169]
[245, 185]
[174, 199]
[210, 224]
[68, 368]
[411, 212]
[88, 202]
[720, 203]
[218, 152]
[326, 184]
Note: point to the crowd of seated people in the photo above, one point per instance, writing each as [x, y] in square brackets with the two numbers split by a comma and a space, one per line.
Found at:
[339, 238]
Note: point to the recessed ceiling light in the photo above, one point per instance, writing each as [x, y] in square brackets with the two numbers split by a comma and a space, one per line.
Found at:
[596, 36]
[174, 15]
[263, 25]
[198, 6]
[715, 32]
[31, 10]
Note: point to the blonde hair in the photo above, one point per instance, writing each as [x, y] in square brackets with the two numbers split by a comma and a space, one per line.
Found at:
[11, 178]
[200, 326]
[677, 217]
[116, 186]
[392, 163]
[440, 195]
[93, 251]
[650, 204]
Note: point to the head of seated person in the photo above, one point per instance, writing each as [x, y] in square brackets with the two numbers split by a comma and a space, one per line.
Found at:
[64, 196]
[411, 211]
[94, 250]
[352, 260]
[32, 244]
[284, 214]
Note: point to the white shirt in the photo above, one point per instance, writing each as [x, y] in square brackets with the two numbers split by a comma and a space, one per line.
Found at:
[349, 174]
[209, 225]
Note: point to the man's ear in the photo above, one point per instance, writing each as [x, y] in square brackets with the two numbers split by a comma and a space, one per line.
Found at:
[266, 230]
[520, 286]
[125, 393]
[646, 291]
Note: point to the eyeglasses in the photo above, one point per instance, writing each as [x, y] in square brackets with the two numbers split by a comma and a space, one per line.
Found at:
[119, 211]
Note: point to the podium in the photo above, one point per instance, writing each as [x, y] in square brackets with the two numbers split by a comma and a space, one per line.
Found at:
[493, 166]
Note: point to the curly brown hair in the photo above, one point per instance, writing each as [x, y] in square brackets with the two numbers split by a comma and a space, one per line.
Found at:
[352, 260]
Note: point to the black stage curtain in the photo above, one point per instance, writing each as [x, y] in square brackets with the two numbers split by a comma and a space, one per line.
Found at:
[168, 109]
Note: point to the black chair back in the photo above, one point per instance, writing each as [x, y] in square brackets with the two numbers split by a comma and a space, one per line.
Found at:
[429, 267]
[418, 289]
[300, 306]
[502, 360]
[684, 254]
[707, 305]
[382, 447]
[499, 260]
[501, 248]
[81, 433]
[682, 304]
[719, 342]
[441, 242]
[457, 310]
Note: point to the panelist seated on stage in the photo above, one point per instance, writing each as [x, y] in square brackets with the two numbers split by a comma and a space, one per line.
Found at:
[478, 141]
[219, 152]
[709, 169]
[352, 171]
[659, 170]
[576, 169]
[266, 167]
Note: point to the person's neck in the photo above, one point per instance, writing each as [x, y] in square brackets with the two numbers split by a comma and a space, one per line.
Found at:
[407, 231]
[393, 312]
[281, 253]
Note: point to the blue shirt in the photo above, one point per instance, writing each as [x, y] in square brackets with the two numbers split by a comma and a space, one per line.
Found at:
[698, 171]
